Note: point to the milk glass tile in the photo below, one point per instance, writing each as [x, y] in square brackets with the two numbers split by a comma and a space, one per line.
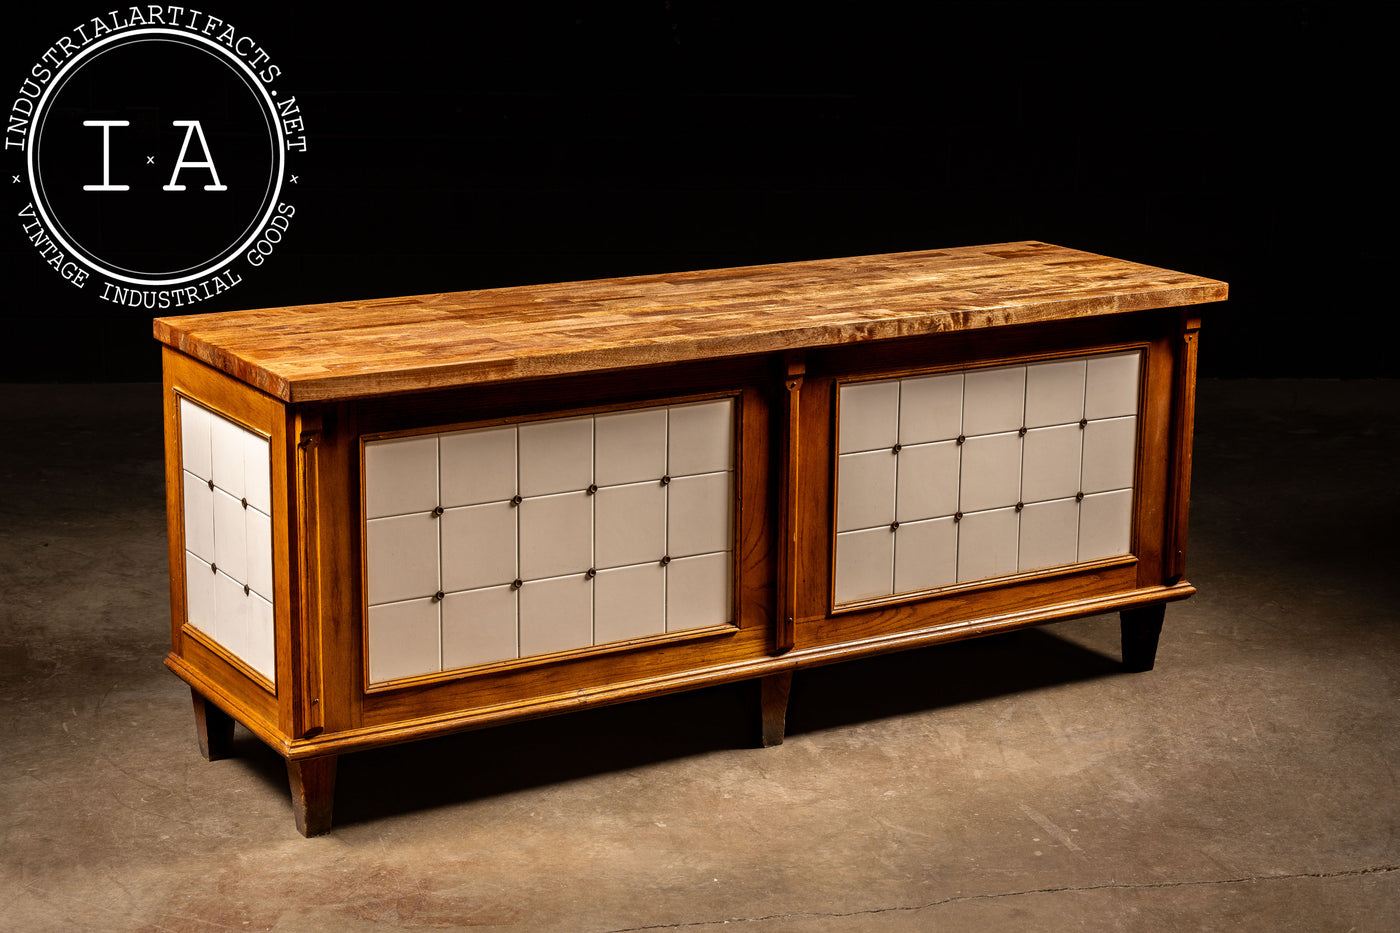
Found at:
[1108, 454]
[230, 536]
[199, 594]
[925, 555]
[698, 592]
[928, 481]
[477, 466]
[556, 615]
[259, 532]
[401, 556]
[1054, 393]
[629, 524]
[262, 643]
[991, 472]
[478, 627]
[994, 400]
[1111, 385]
[478, 546]
[556, 456]
[226, 454]
[930, 408]
[401, 476]
[231, 611]
[865, 487]
[404, 640]
[698, 514]
[629, 602]
[556, 535]
[987, 544]
[864, 564]
[199, 516]
[1105, 524]
[257, 472]
[1050, 462]
[1049, 534]
[630, 446]
[869, 416]
[701, 437]
[194, 439]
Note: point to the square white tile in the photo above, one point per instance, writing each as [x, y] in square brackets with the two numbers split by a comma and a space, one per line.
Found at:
[925, 555]
[257, 472]
[259, 536]
[230, 536]
[1111, 385]
[928, 481]
[1049, 534]
[194, 439]
[869, 416]
[1050, 462]
[987, 544]
[231, 611]
[478, 546]
[700, 437]
[1054, 393]
[262, 638]
[479, 627]
[930, 408]
[555, 456]
[991, 472]
[401, 475]
[699, 592]
[226, 445]
[1108, 454]
[477, 466]
[630, 446]
[1105, 524]
[629, 602]
[199, 594]
[404, 640]
[199, 516]
[629, 524]
[698, 514]
[401, 557]
[994, 400]
[556, 615]
[865, 488]
[864, 564]
[556, 535]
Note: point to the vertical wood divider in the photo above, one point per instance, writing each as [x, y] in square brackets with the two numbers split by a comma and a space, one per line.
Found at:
[789, 473]
[306, 661]
[1183, 432]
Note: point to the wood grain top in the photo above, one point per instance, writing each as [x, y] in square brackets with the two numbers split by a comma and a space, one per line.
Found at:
[362, 348]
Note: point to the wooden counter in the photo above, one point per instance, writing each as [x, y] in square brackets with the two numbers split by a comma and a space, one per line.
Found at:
[396, 518]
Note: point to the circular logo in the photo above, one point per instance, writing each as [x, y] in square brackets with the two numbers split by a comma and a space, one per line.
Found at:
[157, 157]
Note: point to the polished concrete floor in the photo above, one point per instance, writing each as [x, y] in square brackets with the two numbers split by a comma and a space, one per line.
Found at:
[1021, 782]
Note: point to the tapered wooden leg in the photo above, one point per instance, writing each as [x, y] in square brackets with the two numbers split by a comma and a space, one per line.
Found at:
[313, 793]
[773, 700]
[213, 727]
[1141, 629]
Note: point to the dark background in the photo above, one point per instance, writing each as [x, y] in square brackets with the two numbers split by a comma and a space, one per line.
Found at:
[473, 145]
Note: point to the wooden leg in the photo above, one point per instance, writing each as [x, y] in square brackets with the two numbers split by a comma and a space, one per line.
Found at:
[773, 701]
[1141, 628]
[313, 793]
[214, 728]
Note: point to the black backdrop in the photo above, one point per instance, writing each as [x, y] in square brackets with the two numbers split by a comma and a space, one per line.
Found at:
[461, 146]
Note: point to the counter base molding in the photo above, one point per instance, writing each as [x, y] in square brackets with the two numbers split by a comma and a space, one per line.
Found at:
[391, 520]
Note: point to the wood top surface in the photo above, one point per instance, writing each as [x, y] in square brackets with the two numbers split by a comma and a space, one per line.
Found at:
[355, 349]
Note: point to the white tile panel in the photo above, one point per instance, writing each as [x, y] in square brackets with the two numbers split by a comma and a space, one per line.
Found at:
[556, 615]
[698, 514]
[404, 640]
[231, 611]
[869, 416]
[1108, 454]
[555, 456]
[1054, 393]
[629, 524]
[401, 476]
[994, 400]
[226, 445]
[991, 472]
[1049, 534]
[478, 546]
[864, 564]
[199, 516]
[401, 557]
[1105, 524]
[925, 555]
[230, 536]
[1111, 385]
[199, 594]
[928, 481]
[1050, 462]
[698, 592]
[259, 531]
[930, 408]
[700, 437]
[629, 602]
[987, 544]
[630, 446]
[257, 472]
[477, 466]
[261, 655]
[865, 489]
[556, 535]
[194, 439]
[478, 627]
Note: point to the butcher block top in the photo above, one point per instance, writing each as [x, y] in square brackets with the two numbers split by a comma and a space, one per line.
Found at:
[354, 349]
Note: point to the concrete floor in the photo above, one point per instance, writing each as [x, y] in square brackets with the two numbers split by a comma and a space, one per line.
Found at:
[1020, 782]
